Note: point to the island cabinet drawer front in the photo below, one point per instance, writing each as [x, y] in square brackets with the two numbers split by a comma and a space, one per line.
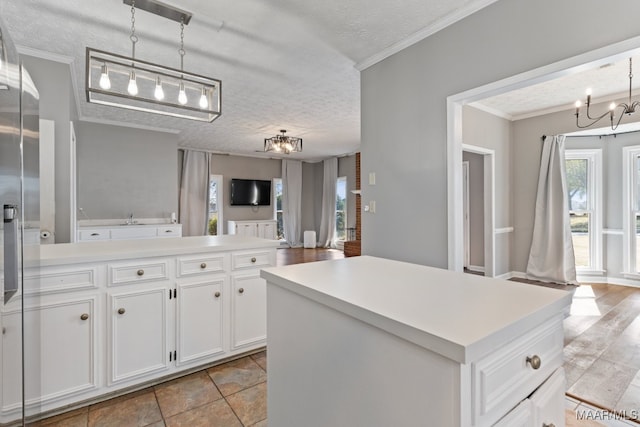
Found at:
[509, 374]
[521, 416]
[188, 266]
[250, 259]
[170, 231]
[122, 274]
[96, 234]
[60, 279]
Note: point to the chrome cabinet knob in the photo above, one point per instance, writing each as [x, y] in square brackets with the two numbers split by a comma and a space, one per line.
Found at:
[203, 265]
[253, 259]
[534, 361]
[140, 272]
[217, 294]
[241, 290]
[84, 316]
[121, 311]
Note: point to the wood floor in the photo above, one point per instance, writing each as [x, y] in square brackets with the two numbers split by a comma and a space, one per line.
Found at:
[287, 256]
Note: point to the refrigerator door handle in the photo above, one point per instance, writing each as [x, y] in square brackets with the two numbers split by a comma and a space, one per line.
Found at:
[10, 251]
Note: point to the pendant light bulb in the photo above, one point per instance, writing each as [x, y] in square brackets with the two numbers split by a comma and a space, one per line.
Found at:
[105, 82]
[182, 96]
[159, 92]
[204, 102]
[133, 86]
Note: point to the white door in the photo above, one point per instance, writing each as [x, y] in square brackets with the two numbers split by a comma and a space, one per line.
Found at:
[248, 309]
[199, 319]
[59, 349]
[138, 341]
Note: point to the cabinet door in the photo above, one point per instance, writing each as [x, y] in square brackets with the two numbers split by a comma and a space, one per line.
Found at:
[138, 336]
[246, 229]
[199, 319]
[60, 347]
[248, 310]
[267, 230]
[548, 401]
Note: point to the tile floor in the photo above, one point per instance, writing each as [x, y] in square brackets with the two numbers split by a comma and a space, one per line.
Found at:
[579, 414]
[233, 394]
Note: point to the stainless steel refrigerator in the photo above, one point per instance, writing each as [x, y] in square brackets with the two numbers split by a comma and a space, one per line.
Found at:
[19, 199]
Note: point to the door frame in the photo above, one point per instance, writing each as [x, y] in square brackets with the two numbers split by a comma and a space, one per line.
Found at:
[220, 189]
[465, 213]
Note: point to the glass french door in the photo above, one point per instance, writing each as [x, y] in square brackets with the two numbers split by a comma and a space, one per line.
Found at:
[20, 203]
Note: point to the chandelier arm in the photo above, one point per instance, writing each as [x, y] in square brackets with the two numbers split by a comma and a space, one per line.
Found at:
[594, 120]
[617, 123]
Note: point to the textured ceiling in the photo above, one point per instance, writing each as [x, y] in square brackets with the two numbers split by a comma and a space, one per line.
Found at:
[284, 64]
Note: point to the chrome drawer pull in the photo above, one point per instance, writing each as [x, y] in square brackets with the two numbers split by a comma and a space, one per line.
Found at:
[140, 272]
[548, 425]
[168, 231]
[95, 234]
[217, 294]
[241, 290]
[121, 311]
[84, 316]
[253, 259]
[203, 265]
[534, 361]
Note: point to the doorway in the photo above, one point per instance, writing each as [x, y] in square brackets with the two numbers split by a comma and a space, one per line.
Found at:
[216, 197]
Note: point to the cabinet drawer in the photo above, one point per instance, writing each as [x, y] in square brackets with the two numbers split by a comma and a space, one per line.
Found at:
[125, 273]
[60, 279]
[250, 259]
[508, 375]
[170, 231]
[133, 232]
[209, 263]
[96, 234]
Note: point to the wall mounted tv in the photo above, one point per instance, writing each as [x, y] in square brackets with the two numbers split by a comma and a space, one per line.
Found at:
[250, 192]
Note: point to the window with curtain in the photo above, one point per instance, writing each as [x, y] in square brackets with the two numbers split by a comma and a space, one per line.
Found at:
[341, 208]
[215, 205]
[584, 182]
[277, 207]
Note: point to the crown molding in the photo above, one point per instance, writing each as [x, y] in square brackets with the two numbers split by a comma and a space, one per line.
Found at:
[422, 34]
[479, 106]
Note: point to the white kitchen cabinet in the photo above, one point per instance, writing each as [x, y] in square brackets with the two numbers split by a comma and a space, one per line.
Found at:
[111, 315]
[248, 310]
[264, 229]
[60, 348]
[199, 321]
[497, 363]
[129, 232]
[138, 339]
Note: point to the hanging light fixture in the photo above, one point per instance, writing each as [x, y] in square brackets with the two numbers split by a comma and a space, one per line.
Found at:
[128, 82]
[627, 109]
[283, 144]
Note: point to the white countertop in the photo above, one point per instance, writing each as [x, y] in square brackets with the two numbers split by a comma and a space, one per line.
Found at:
[65, 253]
[460, 316]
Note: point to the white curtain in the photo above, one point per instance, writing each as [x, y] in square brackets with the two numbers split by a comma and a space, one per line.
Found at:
[551, 258]
[327, 236]
[194, 193]
[292, 201]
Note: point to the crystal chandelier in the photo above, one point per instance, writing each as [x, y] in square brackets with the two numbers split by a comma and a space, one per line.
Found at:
[128, 82]
[627, 109]
[283, 144]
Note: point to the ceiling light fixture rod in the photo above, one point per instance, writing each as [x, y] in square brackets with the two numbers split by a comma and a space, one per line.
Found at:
[627, 109]
[162, 9]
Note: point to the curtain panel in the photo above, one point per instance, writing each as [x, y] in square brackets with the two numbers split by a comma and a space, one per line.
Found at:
[194, 193]
[292, 201]
[327, 237]
[551, 258]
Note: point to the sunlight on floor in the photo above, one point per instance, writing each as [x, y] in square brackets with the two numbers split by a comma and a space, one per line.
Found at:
[584, 302]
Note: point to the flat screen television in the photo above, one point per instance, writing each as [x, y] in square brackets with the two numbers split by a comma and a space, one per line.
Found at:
[250, 192]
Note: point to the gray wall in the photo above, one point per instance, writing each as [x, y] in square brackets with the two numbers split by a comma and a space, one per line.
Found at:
[54, 84]
[476, 208]
[124, 170]
[407, 93]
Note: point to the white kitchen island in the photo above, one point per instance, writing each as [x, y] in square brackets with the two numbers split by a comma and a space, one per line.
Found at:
[366, 341]
[110, 316]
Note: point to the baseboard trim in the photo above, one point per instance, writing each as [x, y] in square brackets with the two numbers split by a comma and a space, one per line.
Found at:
[476, 268]
[581, 279]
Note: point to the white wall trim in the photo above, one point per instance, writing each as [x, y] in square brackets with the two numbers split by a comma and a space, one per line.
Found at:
[583, 279]
[476, 268]
[492, 111]
[504, 230]
[613, 231]
[422, 34]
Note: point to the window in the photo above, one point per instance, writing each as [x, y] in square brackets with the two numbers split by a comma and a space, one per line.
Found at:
[215, 205]
[341, 209]
[631, 210]
[584, 181]
[277, 206]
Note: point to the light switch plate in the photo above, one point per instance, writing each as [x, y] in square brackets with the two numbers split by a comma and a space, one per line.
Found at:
[372, 178]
